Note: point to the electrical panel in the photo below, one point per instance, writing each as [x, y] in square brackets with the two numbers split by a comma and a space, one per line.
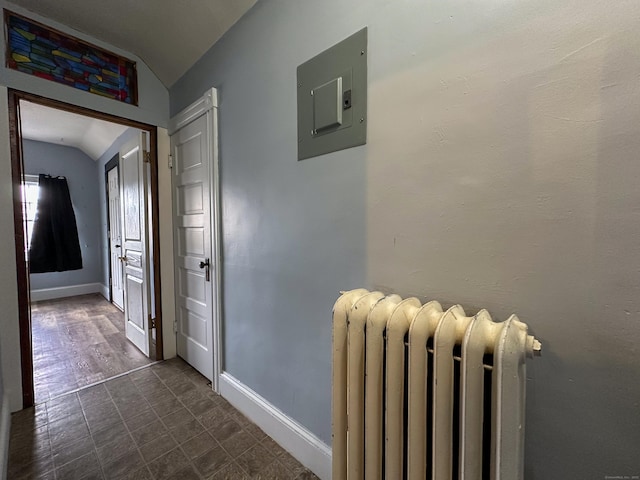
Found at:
[332, 98]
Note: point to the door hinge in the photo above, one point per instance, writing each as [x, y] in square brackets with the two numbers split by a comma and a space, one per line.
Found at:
[175, 326]
[170, 161]
[146, 156]
[152, 321]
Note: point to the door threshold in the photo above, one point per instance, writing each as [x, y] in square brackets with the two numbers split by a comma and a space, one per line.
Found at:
[99, 382]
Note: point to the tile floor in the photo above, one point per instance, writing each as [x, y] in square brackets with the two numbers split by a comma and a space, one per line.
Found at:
[160, 422]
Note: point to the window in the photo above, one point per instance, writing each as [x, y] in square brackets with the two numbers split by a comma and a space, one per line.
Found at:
[30, 193]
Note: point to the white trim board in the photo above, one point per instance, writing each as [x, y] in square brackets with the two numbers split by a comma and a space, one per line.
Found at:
[308, 449]
[62, 292]
[104, 291]
[5, 429]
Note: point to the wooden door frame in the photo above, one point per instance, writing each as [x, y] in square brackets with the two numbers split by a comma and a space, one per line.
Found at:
[110, 165]
[22, 274]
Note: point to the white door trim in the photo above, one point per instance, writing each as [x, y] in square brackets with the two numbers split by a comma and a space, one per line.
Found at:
[208, 105]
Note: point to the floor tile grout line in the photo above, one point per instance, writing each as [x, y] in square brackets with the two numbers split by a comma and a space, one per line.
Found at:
[205, 430]
[112, 400]
[95, 447]
[56, 467]
[124, 422]
[233, 458]
[178, 444]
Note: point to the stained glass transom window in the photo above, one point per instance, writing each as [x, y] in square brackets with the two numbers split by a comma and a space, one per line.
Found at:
[38, 50]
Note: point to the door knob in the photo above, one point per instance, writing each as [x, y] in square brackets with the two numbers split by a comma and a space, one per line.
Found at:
[205, 264]
[123, 259]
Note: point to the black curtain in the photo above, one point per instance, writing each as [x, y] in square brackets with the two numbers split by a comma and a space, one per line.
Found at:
[55, 246]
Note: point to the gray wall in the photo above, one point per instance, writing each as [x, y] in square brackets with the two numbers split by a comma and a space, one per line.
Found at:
[80, 170]
[500, 172]
[294, 233]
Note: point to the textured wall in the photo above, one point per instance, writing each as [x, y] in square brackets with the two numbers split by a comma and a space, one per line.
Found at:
[500, 172]
[80, 170]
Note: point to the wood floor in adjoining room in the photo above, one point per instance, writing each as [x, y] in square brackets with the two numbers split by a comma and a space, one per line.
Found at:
[78, 341]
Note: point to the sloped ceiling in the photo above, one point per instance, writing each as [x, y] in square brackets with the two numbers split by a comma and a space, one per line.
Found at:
[168, 35]
[90, 135]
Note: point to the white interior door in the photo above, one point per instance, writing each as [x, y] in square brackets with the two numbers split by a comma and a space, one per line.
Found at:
[115, 239]
[135, 237]
[194, 263]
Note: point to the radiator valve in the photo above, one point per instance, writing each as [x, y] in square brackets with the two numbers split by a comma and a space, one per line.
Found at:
[534, 347]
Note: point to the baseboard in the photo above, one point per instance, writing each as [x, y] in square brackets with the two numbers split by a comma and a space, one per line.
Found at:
[5, 430]
[105, 292]
[62, 292]
[308, 449]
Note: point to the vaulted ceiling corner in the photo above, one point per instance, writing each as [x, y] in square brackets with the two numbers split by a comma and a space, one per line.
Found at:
[169, 36]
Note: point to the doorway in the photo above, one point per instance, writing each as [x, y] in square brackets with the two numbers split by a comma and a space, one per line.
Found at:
[116, 285]
[145, 318]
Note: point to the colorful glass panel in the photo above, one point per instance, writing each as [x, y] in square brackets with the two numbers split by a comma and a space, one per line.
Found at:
[38, 50]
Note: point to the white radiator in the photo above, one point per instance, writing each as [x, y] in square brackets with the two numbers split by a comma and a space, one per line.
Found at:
[422, 393]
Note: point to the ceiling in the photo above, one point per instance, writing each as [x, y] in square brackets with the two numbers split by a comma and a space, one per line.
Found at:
[46, 124]
[169, 36]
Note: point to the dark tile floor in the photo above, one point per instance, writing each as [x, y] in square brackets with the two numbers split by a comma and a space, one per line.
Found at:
[160, 422]
[78, 341]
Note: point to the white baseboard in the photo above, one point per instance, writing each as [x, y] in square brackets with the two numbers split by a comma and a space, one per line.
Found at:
[62, 292]
[5, 430]
[105, 291]
[308, 449]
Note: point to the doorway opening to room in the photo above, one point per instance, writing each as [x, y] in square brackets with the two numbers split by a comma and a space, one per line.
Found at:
[96, 313]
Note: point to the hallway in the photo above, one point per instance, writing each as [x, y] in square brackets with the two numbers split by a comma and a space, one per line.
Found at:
[160, 422]
[78, 341]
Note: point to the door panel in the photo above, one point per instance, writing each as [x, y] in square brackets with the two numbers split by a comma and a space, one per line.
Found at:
[190, 200]
[193, 244]
[194, 326]
[191, 241]
[135, 242]
[136, 297]
[115, 239]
